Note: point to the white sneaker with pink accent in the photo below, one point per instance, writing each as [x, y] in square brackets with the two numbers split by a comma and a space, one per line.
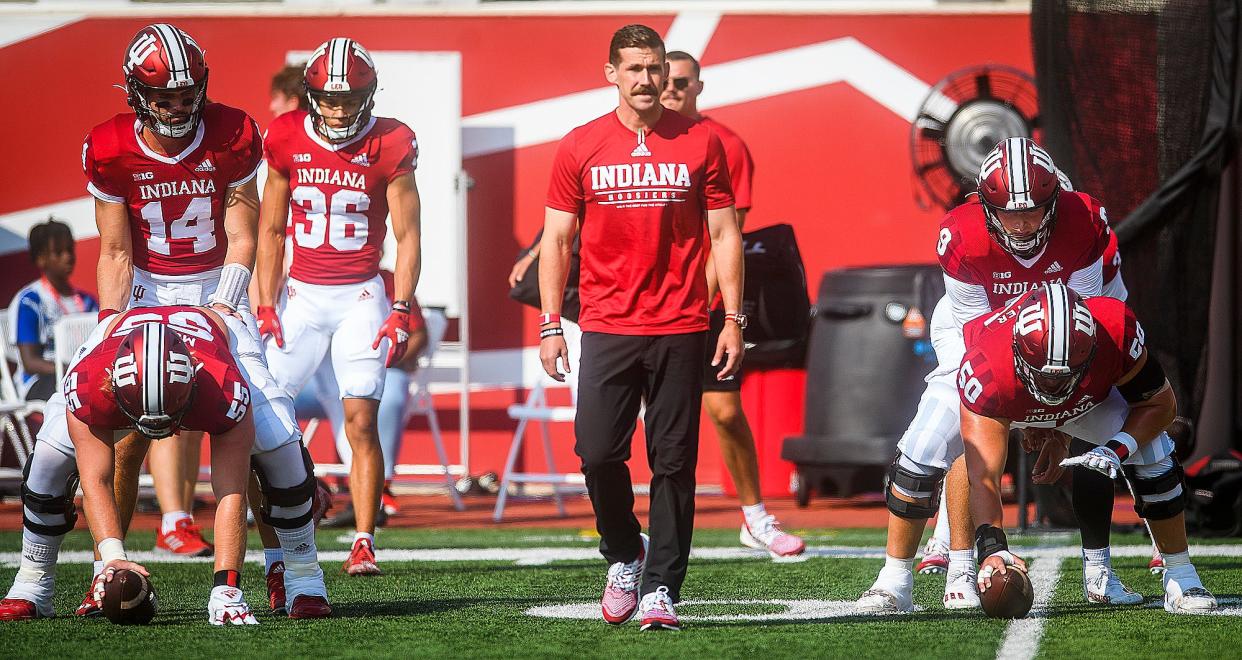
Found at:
[767, 535]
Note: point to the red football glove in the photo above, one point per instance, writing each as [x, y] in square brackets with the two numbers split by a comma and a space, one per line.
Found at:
[269, 324]
[396, 330]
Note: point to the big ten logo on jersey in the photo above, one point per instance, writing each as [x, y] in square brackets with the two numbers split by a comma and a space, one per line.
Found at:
[191, 324]
[301, 158]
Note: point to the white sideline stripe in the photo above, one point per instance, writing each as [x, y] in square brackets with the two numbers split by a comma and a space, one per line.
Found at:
[543, 555]
[21, 28]
[838, 60]
[691, 31]
[1021, 641]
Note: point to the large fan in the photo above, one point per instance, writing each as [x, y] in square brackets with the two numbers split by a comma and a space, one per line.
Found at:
[961, 119]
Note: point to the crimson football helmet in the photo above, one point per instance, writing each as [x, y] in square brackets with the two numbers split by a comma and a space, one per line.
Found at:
[1053, 343]
[163, 58]
[1017, 175]
[153, 378]
[339, 68]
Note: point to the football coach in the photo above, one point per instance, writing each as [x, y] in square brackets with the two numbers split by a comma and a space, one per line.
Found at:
[647, 187]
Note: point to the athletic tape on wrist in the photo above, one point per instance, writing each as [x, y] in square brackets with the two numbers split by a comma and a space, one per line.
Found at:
[111, 549]
[234, 280]
[1123, 445]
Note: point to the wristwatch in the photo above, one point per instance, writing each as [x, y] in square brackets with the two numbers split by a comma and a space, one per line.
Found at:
[740, 319]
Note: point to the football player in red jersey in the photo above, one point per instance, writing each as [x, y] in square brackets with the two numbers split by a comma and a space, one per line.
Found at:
[722, 399]
[1024, 229]
[177, 208]
[158, 370]
[344, 172]
[1055, 360]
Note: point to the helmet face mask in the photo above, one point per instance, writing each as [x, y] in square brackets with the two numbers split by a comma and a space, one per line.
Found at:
[1017, 175]
[1053, 343]
[341, 80]
[162, 59]
[153, 379]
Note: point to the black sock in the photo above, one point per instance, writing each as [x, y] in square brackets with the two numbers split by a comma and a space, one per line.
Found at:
[1093, 500]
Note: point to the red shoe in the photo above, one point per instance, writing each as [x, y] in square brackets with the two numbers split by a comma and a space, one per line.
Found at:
[310, 607]
[276, 586]
[186, 540]
[361, 559]
[92, 604]
[388, 502]
[18, 609]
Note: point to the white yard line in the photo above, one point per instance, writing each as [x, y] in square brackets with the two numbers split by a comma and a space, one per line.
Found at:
[1022, 636]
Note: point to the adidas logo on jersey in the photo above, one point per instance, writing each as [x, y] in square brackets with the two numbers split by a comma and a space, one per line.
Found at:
[1054, 268]
[361, 160]
[641, 150]
[365, 295]
[205, 166]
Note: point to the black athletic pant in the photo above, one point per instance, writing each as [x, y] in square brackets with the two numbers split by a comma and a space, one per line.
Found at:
[1093, 500]
[618, 373]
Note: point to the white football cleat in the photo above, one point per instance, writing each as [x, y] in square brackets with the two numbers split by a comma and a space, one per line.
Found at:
[1101, 586]
[1184, 593]
[226, 607]
[886, 599]
[961, 591]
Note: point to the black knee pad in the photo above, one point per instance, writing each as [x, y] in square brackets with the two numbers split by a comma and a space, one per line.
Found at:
[302, 493]
[50, 504]
[912, 481]
[1174, 479]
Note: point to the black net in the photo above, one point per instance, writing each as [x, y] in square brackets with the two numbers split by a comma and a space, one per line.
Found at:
[1131, 99]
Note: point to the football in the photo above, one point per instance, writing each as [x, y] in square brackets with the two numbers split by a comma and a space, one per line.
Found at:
[129, 598]
[1009, 597]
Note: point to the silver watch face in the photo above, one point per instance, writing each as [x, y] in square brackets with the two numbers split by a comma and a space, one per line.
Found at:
[741, 320]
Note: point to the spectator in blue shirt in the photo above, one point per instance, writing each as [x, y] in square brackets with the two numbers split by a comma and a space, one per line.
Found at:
[37, 307]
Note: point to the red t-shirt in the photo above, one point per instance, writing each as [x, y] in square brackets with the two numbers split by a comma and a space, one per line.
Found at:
[989, 385]
[641, 200]
[221, 395]
[175, 203]
[338, 193]
[741, 165]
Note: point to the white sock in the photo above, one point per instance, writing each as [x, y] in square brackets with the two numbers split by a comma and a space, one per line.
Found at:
[37, 571]
[361, 535]
[942, 521]
[98, 568]
[961, 562]
[170, 520]
[1097, 557]
[271, 556]
[754, 513]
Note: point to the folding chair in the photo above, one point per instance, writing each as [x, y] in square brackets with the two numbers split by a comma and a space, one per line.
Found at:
[68, 334]
[536, 409]
[13, 408]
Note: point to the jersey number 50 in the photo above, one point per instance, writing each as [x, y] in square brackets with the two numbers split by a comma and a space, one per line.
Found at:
[339, 227]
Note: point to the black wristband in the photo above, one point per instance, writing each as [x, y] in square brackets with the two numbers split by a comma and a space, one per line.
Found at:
[989, 540]
[550, 332]
[227, 578]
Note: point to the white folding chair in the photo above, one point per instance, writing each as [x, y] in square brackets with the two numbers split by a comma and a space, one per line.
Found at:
[13, 408]
[68, 335]
[536, 409]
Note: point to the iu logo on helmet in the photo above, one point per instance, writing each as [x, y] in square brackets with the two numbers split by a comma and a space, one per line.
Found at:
[141, 49]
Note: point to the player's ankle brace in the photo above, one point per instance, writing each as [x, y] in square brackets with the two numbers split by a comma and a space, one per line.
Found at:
[989, 540]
